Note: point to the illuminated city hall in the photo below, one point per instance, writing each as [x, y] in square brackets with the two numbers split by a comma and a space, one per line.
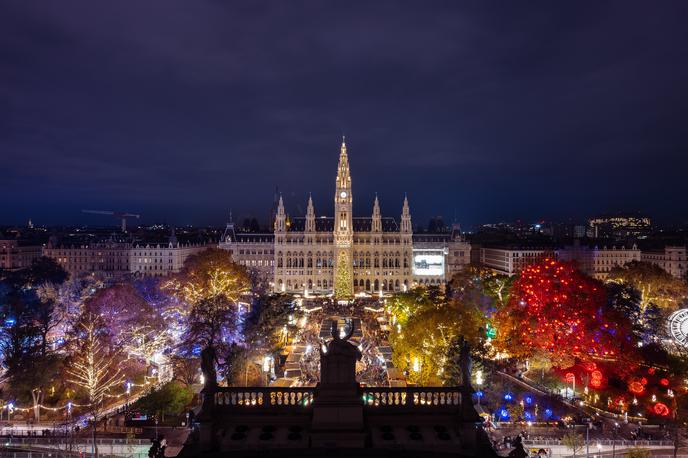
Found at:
[346, 254]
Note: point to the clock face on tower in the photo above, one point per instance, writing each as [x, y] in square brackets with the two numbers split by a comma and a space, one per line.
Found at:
[342, 194]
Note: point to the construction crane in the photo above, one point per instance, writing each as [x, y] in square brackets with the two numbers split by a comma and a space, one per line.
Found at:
[122, 215]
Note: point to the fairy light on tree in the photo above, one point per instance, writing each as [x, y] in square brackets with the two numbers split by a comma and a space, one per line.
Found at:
[555, 308]
[95, 366]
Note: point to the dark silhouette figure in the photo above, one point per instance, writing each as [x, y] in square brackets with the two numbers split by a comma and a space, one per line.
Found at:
[208, 358]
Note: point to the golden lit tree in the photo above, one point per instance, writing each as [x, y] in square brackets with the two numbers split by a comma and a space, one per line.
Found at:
[656, 286]
[209, 274]
[95, 367]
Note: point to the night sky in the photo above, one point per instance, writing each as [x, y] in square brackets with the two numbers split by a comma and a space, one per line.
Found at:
[181, 110]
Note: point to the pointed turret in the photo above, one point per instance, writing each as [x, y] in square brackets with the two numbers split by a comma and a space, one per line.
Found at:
[310, 216]
[376, 224]
[406, 217]
[343, 176]
[281, 217]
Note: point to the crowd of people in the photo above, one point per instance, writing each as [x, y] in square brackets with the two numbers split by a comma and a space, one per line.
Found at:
[370, 370]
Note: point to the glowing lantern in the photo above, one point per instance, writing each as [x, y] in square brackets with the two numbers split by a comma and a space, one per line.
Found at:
[661, 409]
[636, 387]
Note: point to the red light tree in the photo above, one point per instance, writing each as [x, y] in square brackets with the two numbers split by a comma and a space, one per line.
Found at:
[553, 308]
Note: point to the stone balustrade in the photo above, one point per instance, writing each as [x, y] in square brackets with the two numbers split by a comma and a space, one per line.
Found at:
[263, 398]
[412, 397]
[371, 397]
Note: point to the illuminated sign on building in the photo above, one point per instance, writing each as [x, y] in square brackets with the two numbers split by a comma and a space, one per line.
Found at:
[428, 263]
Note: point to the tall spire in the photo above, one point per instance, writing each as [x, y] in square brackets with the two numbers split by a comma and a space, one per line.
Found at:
[376, 224]
[406, 216]
[310, 215]
[343, 176]
[281, 217]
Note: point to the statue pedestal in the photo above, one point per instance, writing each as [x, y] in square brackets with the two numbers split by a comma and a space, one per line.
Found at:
[338, 418]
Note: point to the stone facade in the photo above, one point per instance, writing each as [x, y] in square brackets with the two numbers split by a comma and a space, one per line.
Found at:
[344, 255]
[159, 260]
[510, 261]
[598, 262]
[673, 259]
[15, 256]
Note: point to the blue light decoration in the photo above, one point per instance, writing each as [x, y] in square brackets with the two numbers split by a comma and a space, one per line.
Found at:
[508, 397]
[479, 393]
[528, 399]
[504, 414]
[548, 413]
[9, 322]
[527, 415]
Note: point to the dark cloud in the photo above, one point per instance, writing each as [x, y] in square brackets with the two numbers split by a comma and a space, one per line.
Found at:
[487, 110]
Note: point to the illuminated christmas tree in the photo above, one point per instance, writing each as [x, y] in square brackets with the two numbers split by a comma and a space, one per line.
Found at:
[343, 282]
[555, 308]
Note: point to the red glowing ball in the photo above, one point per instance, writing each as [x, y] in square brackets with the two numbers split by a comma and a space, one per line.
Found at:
[661, 409]
[664, 382]
[651, 371]
[570, 377]
[636, 387]
[643, 381]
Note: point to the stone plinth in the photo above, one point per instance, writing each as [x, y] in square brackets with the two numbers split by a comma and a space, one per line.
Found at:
[338, 408]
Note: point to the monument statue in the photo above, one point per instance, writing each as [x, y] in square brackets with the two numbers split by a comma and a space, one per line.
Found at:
[338, 410]
[338, 363]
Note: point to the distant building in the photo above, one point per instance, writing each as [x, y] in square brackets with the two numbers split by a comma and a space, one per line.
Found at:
[256, 252]
[619, 226]
[437, 257]
[160, 260]
[597, 262]
[510, 261]
[15, 255]
[107, 259]
[673, 259]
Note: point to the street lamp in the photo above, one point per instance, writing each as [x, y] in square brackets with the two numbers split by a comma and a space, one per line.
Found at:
[267, 366]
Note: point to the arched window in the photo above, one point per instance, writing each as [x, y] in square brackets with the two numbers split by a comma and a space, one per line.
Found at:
[367, 285]
[377, 284]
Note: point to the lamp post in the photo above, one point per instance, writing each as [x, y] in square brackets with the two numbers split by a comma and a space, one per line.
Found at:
[267, 364]
[587, 441]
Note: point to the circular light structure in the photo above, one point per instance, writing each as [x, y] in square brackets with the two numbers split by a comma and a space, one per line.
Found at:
[678, 326]
[661, 409]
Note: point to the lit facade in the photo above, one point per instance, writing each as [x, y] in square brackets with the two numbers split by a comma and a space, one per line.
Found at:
[161, 259]
[510, 261]
[14, 255]
[110, 260]
[673, 259]
[346, 255]
[598, 262]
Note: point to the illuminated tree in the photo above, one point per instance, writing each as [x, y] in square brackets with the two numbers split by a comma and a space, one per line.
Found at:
[343, 286]
[656, 286]
[573, 441]
[133, 323]
[555, 308]
[210, 274]
[430, 327]
[94, 368]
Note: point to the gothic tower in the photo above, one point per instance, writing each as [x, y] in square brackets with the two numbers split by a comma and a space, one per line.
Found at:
[343, 229]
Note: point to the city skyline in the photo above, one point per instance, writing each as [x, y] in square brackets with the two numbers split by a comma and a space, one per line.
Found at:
[478, 113]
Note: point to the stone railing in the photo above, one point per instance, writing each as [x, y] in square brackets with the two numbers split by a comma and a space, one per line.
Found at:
[431, 398]
[415, 398]
[263, 398]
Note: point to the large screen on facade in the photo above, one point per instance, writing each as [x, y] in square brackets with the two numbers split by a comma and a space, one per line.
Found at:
[430, 264]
